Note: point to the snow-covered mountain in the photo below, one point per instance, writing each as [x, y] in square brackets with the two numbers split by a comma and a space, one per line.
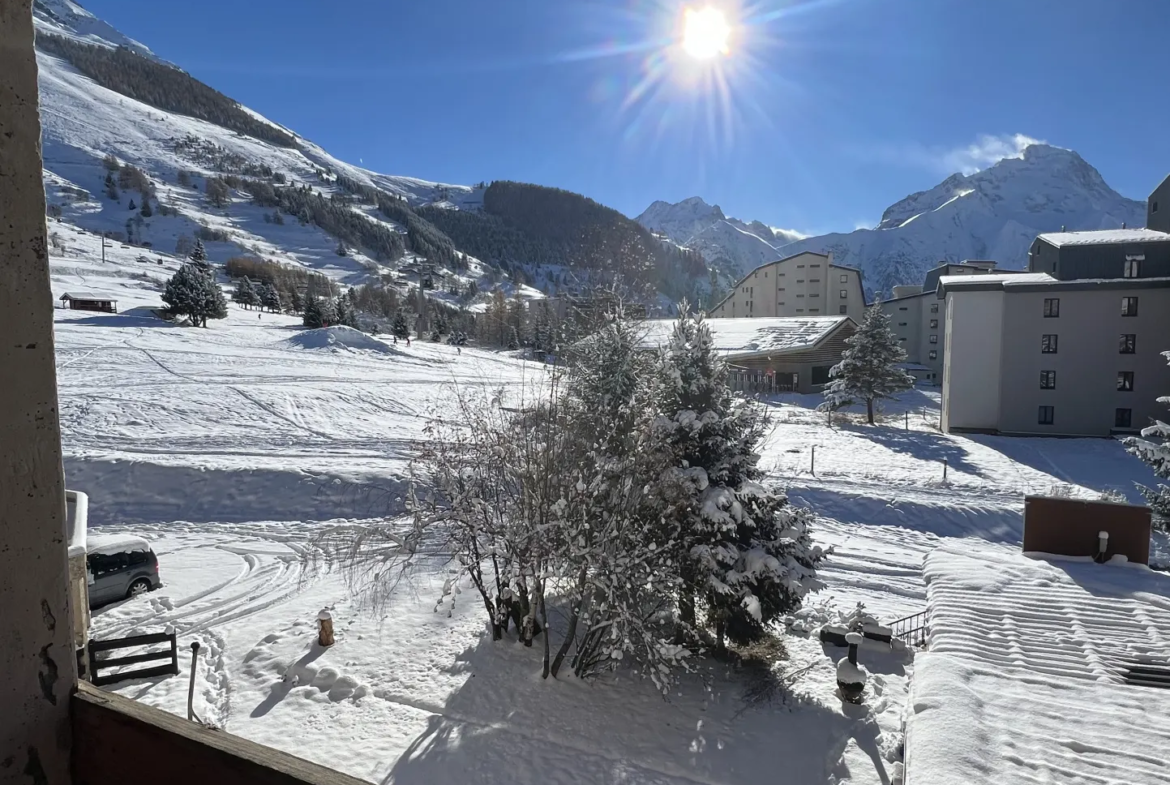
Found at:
[728, 244]
[992, 214]
[84, 124]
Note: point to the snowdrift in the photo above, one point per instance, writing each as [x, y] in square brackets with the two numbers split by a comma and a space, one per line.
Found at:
[337, 338]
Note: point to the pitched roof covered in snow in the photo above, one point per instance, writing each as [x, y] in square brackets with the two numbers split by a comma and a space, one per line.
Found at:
[84, 296]
[755, 336]
[1104, 237]
[1032, 671]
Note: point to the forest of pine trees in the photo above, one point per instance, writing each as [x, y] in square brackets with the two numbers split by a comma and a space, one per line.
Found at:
[423, 237]
[350, 228]
[160, 85]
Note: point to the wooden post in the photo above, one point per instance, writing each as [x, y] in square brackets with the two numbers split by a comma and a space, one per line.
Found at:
[325, 628]
[907, 419]
[812, 469]
[944, 469]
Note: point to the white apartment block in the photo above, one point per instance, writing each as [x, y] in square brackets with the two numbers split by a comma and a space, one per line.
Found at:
[918, 319]
[807, 284]
[1033, 355]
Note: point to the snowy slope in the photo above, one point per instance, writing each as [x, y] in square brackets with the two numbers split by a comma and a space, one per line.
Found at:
[82, 122]
[992, 214]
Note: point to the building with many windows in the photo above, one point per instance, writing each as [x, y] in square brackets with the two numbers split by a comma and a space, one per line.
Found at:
[807, 284]
[1108, 253]
[918, 318]
[1033, 354]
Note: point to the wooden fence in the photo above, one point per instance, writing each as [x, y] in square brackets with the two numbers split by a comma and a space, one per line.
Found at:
[97, 666]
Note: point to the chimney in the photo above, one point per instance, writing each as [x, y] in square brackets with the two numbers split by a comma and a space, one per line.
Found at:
[1123, 224]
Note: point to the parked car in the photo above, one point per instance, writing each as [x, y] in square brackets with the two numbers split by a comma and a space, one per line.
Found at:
[118, 567]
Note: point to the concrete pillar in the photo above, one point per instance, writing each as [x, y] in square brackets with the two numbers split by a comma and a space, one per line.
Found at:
[38, 668]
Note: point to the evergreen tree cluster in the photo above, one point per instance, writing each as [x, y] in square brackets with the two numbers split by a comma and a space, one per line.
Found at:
[166, 87]
[630, 487]
[423, 237]
[348, 226]
[257, 295]
[193, 292]
[291, 284]
[492, 240]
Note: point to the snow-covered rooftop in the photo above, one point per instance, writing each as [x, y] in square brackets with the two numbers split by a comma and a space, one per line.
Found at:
[1105, 237]
[993, 279]
[1025, 678]
[753, 336]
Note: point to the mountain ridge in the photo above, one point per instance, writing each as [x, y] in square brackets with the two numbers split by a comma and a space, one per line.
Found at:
[994, 213]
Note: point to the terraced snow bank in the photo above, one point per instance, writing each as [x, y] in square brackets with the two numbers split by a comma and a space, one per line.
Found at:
[1030, 672]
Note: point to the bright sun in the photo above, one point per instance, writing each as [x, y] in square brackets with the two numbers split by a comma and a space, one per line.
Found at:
[705, 33]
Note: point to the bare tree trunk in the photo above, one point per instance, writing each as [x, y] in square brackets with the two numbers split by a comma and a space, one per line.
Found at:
[539, 588]
[574, 618]
[869, 409]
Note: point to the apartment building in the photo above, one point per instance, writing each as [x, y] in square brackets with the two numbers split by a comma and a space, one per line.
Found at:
[1108, 253]
[918, 318]
[1158, 207]
[1035, 355]
[807, 284]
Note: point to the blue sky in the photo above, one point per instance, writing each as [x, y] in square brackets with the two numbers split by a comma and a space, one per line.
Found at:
[828, 110]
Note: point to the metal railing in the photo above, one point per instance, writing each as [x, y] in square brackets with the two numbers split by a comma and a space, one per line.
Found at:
[912, 629]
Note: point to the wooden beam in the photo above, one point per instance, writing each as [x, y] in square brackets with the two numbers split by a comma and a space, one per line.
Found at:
[118, 741]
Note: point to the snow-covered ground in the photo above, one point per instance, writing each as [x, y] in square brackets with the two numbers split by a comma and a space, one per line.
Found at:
[230, 448]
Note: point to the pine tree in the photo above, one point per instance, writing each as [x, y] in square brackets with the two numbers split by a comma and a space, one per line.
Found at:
[328, 312]
[270, 298]
[313, 316]
[1157, 455]
[400, 327]
[868, 370]
[745, 556]
[198, 253]
[346, 314]
[132, 205]
[193, 293]
[296, 301]
[146, 212]
[341, 249]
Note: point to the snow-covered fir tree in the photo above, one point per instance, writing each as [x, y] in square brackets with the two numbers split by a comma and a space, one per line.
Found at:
[191, 292]
[746, 555]
[270, 298]
[313, 317]
[400, 327]
[1157, 455]
[198, 253]
[246, 293]
[346, 313]
[868, 370]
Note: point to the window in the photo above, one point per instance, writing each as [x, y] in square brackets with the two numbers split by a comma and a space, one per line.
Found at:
[902, 340]
[800, 295]
[756, 274]
[844, 309]
[934, 339]
[800, 266]
[933, 354]
[814, 310]
[1123, 418]
[800, 310]
[1129, 306]
[903, 308]
[934, 324]
[844, 279]
[814, 280]
[779, 288]
[1128, 343]
[814, 265]
[1048, 380]
[1131, 269]
[1153, 207]
[765, 273]
[815, 294]
[902, 324]
[1047, 415]
[934, 308]
[1048, 344]
[820, 374]
[780, 304]
[1051, 308]
[800, 280]
[1125, 381]
[844, 294]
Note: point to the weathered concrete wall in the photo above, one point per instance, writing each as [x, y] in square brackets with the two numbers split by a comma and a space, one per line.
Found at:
[37, 663]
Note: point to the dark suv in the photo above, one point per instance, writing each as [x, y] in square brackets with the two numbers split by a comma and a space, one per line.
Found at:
[119, 567]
